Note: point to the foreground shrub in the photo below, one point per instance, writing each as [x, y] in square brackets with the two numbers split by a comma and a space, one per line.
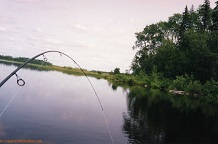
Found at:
[211, 88]
[181, 82]
[194, 87]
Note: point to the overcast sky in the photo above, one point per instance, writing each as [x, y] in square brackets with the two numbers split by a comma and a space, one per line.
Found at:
[98, 34]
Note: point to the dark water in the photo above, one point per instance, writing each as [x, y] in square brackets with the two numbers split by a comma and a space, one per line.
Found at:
[59, 108]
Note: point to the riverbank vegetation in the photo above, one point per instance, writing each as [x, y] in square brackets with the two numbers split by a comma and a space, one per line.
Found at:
[23, 59]
[186, 44]
[181, 53]
[182, 85]
[46, 66]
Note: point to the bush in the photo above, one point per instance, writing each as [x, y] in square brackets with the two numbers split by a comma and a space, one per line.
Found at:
[179, 83]
[164, 84]
[130, 82]
[182, 82]
[194, 87]
[211, 88]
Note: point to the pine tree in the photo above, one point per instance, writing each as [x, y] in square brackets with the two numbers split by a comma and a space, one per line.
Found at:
[185, 24]
[205, 14]
[215, 18]
[194, 18]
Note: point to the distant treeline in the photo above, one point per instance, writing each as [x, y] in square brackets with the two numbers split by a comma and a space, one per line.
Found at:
[23, 59]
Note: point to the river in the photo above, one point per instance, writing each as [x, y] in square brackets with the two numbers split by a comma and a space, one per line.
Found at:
[58, 108]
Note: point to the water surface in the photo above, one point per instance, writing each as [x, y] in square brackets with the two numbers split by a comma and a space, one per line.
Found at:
[60, 108]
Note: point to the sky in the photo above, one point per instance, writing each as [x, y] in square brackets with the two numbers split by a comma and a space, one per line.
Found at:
[97, 34]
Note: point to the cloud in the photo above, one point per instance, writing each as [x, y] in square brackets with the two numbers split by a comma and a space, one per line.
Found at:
[2, 29]
[38, 30]
[80, 27]
[52, 41]
[121, 31]
[27, 1]
[6, 19]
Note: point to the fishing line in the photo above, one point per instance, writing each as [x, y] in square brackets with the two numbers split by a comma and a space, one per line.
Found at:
[85, 76]
[45, 59]
[105, 119]
[10, 101]
[20, 84]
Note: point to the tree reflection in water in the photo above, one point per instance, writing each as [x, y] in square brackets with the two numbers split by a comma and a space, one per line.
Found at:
[157, 117]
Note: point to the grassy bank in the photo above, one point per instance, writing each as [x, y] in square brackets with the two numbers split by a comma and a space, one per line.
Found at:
[184, 85]
[66, 70]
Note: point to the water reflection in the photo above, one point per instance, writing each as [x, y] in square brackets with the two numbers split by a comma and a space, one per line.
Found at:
[157, 117]
[2, 133]
[28, 66]
[114, 87]
[60, 108]
[54, 102]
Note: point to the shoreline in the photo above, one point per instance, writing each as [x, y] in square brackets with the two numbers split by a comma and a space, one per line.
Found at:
[66, 70]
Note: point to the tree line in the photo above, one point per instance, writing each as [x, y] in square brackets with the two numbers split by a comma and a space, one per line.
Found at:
[186, 44]
[23, 59]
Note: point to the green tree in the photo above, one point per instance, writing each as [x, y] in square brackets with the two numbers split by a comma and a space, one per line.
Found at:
[117, 71]
[215, 18]
[205, 15]
[150, 40]
[167, 60]
[174, 25]
[142, 62]
[185, 44]
[200, 60]
[185, 24]
[194, 19]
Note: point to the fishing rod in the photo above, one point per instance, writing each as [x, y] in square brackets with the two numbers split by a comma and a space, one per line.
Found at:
[21, 82]
[17, 91]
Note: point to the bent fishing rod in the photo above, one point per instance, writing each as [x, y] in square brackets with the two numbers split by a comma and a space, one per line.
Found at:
[21, 82]
[33, 58]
